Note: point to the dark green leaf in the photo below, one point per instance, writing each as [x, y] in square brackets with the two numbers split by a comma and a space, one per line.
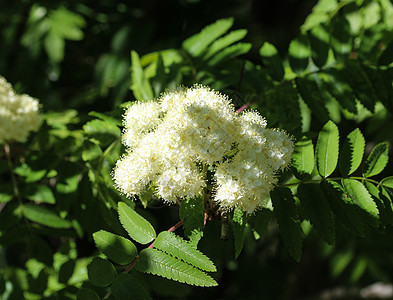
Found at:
[191, 212]
[104, 132]
[318, 211]
[386, 56]
[86, 294]
[44, 216]
[352, 152]
[345, 210]
[155, 262]
[126, 287]
[313, 97]
[272, 61]
[239, 224]
[303, 157]
[101, 272]
[319, 43]
[377, 160]
[341, 39]
[137, 227]
[299, 54]
[116, 248]
[327, 149]
[357, 79]
[174, 245]
[92, 150]
[198, 43]
[288, 220]
[41, 194]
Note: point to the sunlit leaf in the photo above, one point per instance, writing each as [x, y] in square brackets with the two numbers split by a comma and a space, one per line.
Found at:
[327, 149]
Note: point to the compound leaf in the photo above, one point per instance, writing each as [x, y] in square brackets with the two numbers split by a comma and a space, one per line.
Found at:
[155, 262]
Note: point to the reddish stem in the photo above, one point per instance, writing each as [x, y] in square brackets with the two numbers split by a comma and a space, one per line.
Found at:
[245, 106]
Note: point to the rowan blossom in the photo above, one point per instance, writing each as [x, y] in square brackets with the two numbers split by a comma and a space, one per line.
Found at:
[19, 114]
[170, 140]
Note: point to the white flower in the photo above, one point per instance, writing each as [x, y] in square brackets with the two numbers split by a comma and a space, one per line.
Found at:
[169, 141]
[19, 114]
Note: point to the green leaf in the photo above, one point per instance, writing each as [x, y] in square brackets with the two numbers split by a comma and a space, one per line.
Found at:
[87, 294]
[137, 227]
[387, 182]
[6, 193]
[91, 150]
[357, 79]
[174, 245]
[319, 43]
[155, 262]
[101, 272]
[341, 39]
[352, 152]
[116, 248]
[54, 47]
[313, 97]
[299, 53]
[386, 56]
[102, 131]
[191, 212]
[359, 195]
[347, 212]
[198, 43]
[40, 193]
[44, 216]
[225, 41]
[288, 220]
[315, 205]
[303, 157]
[126, 287]
[239, 224]
[272, 61]
[377, 160]
[140, 84]
[327, 149]
[229, 53]
[335, 83]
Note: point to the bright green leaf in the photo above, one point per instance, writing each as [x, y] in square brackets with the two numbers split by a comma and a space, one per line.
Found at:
[327, 149]
[44, 216]
[387, 182]
[239, 223]
[198, 43]
[359, 195]
[225, 41]
[229, 52]
[155, 262]
[116, 248]
[137, 227]
[299, 53]
[303, 157]
[319, 43]
[174, 245]
[377, 160]
[341, 39]
[140, 84]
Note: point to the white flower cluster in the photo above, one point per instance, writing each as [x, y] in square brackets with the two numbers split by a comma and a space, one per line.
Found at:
[169, 140]
[19, 114]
